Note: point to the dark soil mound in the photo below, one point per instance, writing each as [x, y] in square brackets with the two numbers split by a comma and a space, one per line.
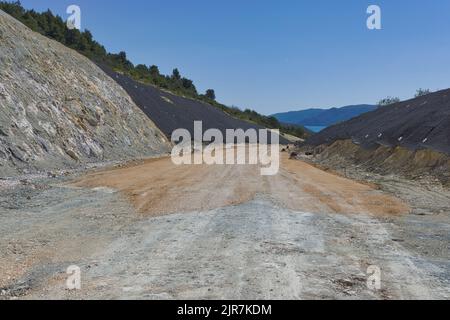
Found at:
[170, 112]
[420, 123]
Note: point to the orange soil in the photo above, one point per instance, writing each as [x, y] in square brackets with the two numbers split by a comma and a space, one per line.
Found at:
[157, 187]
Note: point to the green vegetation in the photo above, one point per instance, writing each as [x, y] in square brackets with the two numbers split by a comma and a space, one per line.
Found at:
[388, 101]
[391, 100]
[46, 23]
[422, 92]
[210, 94]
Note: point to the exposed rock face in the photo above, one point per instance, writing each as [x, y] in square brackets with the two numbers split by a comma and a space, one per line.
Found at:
[58, 109]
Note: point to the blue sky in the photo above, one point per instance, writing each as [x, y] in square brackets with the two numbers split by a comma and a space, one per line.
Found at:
[275, 56]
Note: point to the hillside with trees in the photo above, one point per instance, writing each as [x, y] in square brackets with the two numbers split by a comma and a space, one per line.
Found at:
[54, 27]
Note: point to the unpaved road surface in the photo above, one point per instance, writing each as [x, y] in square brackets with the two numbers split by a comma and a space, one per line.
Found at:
[159, 187]
[155, 231]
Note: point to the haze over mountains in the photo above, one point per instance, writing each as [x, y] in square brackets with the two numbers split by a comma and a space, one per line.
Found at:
[323, 117]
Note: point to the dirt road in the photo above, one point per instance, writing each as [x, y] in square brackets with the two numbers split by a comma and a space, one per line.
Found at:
[153, 230]
[158, 187]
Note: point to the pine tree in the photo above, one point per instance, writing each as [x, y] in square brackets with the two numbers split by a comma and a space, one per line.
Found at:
[210, 94]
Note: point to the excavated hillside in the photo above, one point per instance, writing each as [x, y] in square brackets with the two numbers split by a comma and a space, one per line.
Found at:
[171, 112]
[58, 109]
[410, 137]
[420, 123]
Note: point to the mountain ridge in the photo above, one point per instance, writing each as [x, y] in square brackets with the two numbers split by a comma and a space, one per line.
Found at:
[323, 117]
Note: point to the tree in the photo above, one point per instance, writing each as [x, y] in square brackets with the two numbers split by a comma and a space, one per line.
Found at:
[189, 86]
[141, 72]
[273, 122]
[156, 77]
[98, 51]
[15, 9]
[388, 101]
[122, 57]
[30, 22]
[422, 92]
[210, 94]
[176, 75]
[154, 71]
[73, 38]
[84, 44]
[120, 62]
[88, 36]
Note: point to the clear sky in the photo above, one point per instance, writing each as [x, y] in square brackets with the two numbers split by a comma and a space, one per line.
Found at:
[276, 56]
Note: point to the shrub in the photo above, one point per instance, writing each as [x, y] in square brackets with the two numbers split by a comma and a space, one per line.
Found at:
[388, 101]
[422, 92]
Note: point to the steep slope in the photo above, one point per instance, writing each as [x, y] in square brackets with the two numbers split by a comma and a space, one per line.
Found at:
[410, 138]
[324, 117]
[46, 23]
[420, 123]
[171, 112]
[58, 109]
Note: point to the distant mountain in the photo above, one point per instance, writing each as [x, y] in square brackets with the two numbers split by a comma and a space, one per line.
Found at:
[323, 117]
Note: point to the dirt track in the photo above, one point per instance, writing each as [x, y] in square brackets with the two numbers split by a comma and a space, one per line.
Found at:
[153, 230]
[158, 187]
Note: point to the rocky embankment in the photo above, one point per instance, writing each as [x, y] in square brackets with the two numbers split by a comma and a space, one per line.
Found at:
[59, 110]
[410, 164]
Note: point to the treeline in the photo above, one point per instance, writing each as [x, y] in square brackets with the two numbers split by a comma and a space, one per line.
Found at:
[54, 27]
[392, 100]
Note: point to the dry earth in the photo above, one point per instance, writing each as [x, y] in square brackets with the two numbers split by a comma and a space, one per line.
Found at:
[151, 230]
[158, 187]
